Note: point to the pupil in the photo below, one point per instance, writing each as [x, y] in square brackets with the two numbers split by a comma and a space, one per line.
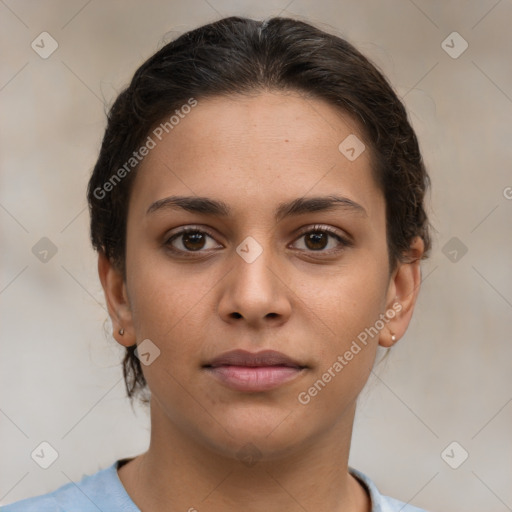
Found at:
[195, 237]
[315, 238]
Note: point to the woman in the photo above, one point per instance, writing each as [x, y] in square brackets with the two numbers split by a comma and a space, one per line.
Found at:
[257, 208]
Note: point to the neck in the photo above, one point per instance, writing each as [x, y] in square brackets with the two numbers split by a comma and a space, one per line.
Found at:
[178, 473]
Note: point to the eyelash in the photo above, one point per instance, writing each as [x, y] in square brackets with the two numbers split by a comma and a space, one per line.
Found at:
[314, 229]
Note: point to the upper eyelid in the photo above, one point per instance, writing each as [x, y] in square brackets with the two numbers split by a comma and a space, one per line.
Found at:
[318, 227]
[189, 228]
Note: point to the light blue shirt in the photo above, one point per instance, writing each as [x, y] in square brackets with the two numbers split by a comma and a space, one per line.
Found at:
[103, 491]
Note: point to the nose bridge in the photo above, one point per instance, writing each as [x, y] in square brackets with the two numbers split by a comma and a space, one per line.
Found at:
[253, 263]
[253, 287]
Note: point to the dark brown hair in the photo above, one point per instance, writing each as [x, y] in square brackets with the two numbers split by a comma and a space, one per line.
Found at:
[241, 56]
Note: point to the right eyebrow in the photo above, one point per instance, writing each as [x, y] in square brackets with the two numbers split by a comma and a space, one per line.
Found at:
[299, 206]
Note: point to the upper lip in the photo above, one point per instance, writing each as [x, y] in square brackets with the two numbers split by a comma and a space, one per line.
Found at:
[254, 359]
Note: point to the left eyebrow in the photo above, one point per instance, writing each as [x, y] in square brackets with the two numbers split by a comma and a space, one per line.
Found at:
[299, 206]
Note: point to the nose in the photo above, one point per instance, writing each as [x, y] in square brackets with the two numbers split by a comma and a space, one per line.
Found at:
[255, 291]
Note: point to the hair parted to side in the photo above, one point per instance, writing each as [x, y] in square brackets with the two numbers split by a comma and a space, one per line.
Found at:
[238, 55]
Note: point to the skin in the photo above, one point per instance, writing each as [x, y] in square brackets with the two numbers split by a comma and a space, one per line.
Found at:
[305, 300]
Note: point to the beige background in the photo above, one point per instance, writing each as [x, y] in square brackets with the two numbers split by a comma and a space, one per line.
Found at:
[449, 379]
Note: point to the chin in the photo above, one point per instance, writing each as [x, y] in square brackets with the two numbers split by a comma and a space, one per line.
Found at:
[258, 433]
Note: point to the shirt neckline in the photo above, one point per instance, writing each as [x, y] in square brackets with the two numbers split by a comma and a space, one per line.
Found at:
[368, 485]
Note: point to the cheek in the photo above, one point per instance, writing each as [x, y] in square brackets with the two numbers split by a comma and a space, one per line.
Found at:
[347, 311]
[162, 295]
[349, 299]
[168, 311]
[166, 307]
[172, 307]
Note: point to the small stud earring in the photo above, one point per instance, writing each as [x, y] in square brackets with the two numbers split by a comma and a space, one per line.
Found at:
[393, 337]
[121, 332]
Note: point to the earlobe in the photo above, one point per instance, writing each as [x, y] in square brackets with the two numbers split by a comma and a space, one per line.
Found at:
[403, 289]
[114, 288]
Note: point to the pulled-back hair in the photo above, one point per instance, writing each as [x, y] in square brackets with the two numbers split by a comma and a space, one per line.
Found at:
[243, 56]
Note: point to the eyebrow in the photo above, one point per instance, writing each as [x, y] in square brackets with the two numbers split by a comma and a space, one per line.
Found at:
[299, 206]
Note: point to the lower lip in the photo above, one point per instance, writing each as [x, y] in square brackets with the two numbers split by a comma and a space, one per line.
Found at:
[258, 378]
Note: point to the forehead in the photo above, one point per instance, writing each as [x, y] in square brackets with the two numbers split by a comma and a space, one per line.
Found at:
[248, 149]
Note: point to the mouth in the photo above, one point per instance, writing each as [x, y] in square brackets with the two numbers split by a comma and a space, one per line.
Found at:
[252, 372]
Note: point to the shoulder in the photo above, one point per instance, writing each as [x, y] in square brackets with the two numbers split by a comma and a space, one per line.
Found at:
[45, 503]
[381, 503]
[393, 505]
[101, 491]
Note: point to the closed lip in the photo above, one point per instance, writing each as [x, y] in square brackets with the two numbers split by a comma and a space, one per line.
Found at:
[264, 358]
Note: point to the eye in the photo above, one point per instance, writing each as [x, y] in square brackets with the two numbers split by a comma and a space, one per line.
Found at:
[189, 239]
[316, 239]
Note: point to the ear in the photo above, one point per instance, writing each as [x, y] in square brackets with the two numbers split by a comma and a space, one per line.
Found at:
[118, 303]
[404, 286]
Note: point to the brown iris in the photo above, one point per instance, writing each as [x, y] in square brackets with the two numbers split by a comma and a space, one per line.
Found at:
[193, 240]
[312, 239]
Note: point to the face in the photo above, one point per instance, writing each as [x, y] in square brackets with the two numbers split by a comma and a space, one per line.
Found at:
[263, 267]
